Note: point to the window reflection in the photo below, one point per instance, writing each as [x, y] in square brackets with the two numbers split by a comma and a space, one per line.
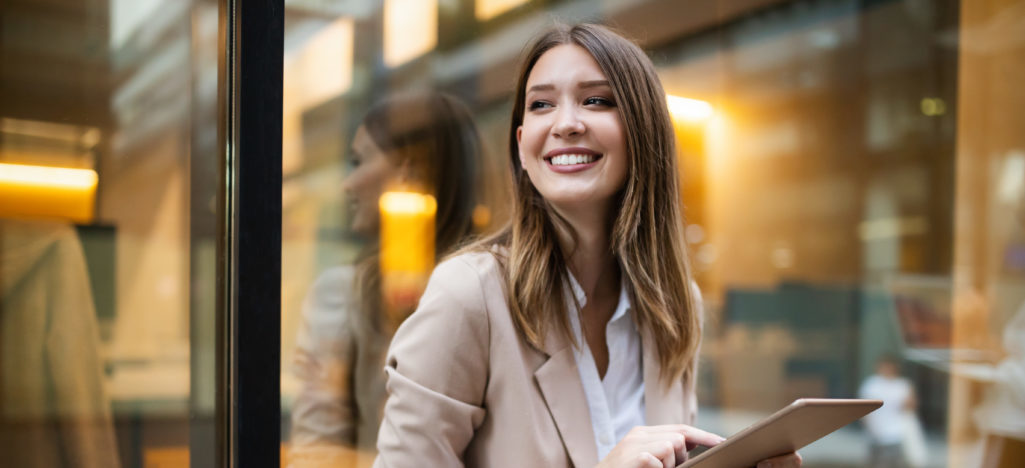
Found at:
[108, 182]
[411, 184]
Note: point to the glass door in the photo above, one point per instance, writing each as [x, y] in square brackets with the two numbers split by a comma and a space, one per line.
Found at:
[108, 222]
[127, 272]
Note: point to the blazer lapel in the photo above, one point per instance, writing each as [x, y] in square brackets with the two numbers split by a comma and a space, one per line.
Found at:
[564, 396]
[661, 405]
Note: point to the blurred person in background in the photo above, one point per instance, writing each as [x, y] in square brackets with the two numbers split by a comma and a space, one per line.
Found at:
[425, 142]
[54, 410]
[889, 427]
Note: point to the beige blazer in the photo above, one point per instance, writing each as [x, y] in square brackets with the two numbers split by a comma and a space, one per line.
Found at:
[54, 409]
[466, 390]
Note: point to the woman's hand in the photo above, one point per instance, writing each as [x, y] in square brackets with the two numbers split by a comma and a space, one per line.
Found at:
[658, 447]
[790, 460]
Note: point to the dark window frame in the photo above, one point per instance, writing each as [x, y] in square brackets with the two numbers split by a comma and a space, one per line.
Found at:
[249, 322]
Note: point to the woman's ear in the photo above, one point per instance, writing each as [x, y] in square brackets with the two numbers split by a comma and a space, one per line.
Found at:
[519, 139]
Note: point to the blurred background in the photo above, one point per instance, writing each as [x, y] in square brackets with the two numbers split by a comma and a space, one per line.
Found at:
[853, 180]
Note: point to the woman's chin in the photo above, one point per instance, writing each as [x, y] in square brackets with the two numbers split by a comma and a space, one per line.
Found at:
[584, 199]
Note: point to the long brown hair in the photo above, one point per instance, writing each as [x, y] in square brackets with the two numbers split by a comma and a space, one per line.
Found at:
[647, 232]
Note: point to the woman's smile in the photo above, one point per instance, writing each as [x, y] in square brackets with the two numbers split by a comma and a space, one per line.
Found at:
[573, 159]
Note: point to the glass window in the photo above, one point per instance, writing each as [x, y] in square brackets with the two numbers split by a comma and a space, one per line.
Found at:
[108, 184]
[852, 177]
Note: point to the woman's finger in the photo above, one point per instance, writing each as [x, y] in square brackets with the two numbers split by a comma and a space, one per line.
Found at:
[664, 451]
[678, 441]
[692, 434]
[648, 460]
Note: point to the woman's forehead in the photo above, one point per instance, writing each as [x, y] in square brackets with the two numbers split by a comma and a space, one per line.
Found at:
[565, 64]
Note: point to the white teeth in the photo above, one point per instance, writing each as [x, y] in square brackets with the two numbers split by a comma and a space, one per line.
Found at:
[571, 159]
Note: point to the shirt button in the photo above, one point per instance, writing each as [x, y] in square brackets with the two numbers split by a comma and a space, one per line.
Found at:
[605, 439]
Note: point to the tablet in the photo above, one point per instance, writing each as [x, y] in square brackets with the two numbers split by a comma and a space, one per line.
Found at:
[802, 422]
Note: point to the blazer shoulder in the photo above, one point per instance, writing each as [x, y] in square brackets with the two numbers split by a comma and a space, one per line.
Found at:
[444, 345]
[467, 278]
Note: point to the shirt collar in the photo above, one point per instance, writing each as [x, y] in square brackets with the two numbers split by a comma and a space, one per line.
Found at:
[578, 292]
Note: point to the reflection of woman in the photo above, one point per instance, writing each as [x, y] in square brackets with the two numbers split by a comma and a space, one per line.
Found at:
[425, 142]
[571, 337]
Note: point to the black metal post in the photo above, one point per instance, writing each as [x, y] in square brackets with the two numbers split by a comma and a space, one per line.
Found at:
[255, 42]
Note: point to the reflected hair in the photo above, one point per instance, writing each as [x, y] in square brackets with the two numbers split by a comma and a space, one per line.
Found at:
[433, 135]
[647, 237]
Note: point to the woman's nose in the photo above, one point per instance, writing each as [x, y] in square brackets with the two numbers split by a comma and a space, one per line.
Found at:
[348, 184]
[568, 123]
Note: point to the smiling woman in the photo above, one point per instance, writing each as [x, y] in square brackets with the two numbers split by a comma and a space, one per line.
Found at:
[587, 292]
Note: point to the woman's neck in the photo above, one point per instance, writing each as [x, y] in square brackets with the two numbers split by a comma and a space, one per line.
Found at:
[588, 253]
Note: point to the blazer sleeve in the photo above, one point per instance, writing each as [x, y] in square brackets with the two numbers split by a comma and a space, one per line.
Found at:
[323, 412]
[83, 419]
[437, 371]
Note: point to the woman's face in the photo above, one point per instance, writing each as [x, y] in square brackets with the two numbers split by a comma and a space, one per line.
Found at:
[370, 173]
[572, 140]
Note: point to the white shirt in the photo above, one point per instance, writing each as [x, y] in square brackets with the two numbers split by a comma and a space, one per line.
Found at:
[884, 424]
[616, 402]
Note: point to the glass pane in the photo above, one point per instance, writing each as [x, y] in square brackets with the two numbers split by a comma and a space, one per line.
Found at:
[108, 182]
[852, 177]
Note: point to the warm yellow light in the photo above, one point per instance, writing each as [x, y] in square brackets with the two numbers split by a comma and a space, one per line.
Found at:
[50, 192]
[48, 176]
[407, 203]
[487, 9]
[933, 107]
[315, 72]
[327, 62]
[407, 231]
[407, 248]
[410, 29]
[481, 217]
[688, 110]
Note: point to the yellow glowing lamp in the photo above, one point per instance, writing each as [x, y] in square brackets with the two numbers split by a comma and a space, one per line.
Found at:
[688, 110]
[407, 247]
[47, 192]
[407, 231]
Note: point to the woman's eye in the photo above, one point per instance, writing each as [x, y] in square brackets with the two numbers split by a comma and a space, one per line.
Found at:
[598, 101]
[539, 105]
[354, 162]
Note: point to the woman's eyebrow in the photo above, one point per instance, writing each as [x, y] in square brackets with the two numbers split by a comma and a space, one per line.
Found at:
[593, 83]
[582, 85]
[541, 87]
